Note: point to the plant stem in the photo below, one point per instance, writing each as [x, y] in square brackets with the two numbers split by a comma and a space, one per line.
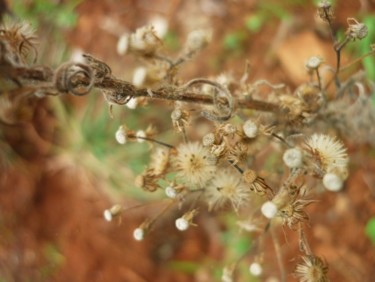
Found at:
[276, 245]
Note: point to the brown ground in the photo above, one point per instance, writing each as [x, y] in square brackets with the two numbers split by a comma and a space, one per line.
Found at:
[51, 211]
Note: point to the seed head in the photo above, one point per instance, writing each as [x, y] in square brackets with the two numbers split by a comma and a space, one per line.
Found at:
[225, 188]
[312, 269]
[195, 164]
[329, 154]
[356, 30]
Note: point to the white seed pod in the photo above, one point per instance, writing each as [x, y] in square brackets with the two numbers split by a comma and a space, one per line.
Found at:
[160, 25]
[140, 135]
[114, 211]
[293, 158]
[313, 63]
[250, 128]
[269, 209]
[256, 269]
[107, 215]
[182, 224]
[332, 182]
[123, 44]
[139, 76]
[121, 135]
[170, 192]
[139, 234]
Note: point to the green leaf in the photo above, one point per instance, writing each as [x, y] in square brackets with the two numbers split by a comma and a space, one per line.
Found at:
[370, 229]
[254, 23]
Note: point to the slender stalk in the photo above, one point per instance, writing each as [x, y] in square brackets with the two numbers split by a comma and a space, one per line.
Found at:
[152, 140]
[279, 257]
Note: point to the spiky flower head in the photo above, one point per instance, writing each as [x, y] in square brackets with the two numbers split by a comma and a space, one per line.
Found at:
[226, 188]
[328, 153]
[194, 163]
[312, 269]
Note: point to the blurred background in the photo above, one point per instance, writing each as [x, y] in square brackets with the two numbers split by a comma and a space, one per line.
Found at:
[63, 167]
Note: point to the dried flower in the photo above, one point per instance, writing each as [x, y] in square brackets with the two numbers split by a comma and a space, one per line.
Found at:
[332, 182]
[293, 158]
[195, 164]
[256, 183]
[325, 11]
[147, 180]
[294, 213]
[329, 154]
[144, 41]
[180, 118]
[227, 187]
[356, 30]
[312, 269]
[238, 152]
[198, 39]
[160, 160]
[219, 150]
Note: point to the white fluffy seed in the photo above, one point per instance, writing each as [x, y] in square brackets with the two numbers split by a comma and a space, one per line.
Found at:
[293, 158]
[139, 76]
[332, 182]
[250, 129]
[107, 215]
[121, 135]
[139, 234]
[182, 224]
[123, 44]
[256, 269]
[269, 209]
[170, 192]
[313, 62]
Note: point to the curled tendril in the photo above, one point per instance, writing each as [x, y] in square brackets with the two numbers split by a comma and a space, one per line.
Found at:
[74, 78]
[100, 68]
[217, 101]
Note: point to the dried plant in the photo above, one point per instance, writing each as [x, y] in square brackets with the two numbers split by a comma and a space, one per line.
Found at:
[215, 168]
